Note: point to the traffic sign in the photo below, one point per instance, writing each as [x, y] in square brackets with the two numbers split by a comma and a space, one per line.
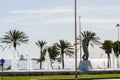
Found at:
[2, 61]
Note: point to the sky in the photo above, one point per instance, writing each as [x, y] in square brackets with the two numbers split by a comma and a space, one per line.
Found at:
[53, 20]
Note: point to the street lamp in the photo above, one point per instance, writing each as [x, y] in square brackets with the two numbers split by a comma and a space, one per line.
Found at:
[118, 25]
[76, 77]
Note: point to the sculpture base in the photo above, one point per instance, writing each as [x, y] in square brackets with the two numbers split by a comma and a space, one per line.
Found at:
[85, 66]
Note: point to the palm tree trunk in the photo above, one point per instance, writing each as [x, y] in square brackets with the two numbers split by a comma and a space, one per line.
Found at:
[51, 63]
[40, 64]
[62, 55]
[109, 61]
[40, 58]
[14, 60]
[117, 61]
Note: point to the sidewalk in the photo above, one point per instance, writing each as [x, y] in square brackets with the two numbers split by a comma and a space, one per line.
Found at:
[106, 79]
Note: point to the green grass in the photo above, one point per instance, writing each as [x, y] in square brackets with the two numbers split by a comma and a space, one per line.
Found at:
[60, 77]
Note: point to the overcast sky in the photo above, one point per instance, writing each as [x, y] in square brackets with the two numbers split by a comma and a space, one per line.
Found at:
[52, 20]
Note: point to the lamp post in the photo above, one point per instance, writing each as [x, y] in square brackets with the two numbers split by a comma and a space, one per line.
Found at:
[76, 77]
[118, 25]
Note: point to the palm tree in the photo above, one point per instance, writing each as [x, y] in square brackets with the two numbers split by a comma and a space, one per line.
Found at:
[65, 48]
[107, 46]
[53, 54]
[88, 37]
[14, 38]
[41, 44]
[116, 49]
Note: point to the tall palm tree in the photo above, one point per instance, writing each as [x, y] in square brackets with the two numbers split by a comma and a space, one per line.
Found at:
[53, 54]
[41, 44]
[116, 49]
[88, 37]
[66, 48]
[14, 38]
[107, 47]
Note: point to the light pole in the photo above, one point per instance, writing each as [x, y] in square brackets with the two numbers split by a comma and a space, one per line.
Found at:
[118, 25]
[76, 77]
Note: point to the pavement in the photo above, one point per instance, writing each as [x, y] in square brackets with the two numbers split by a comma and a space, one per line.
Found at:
[75, 79]
[106, 79]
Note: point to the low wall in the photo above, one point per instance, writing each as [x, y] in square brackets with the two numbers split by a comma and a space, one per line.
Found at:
[58, 73]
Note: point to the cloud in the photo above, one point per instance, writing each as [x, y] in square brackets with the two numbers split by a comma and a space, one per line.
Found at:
[85, 20]
[42, 11]
[87, 8]
[7, 20]
[60, 21]
[99, 20]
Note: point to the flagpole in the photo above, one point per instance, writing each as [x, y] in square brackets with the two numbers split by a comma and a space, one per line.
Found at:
[76, 76]
[80, 38]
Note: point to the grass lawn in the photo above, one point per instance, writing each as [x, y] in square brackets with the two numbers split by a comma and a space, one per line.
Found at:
[60, 77]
